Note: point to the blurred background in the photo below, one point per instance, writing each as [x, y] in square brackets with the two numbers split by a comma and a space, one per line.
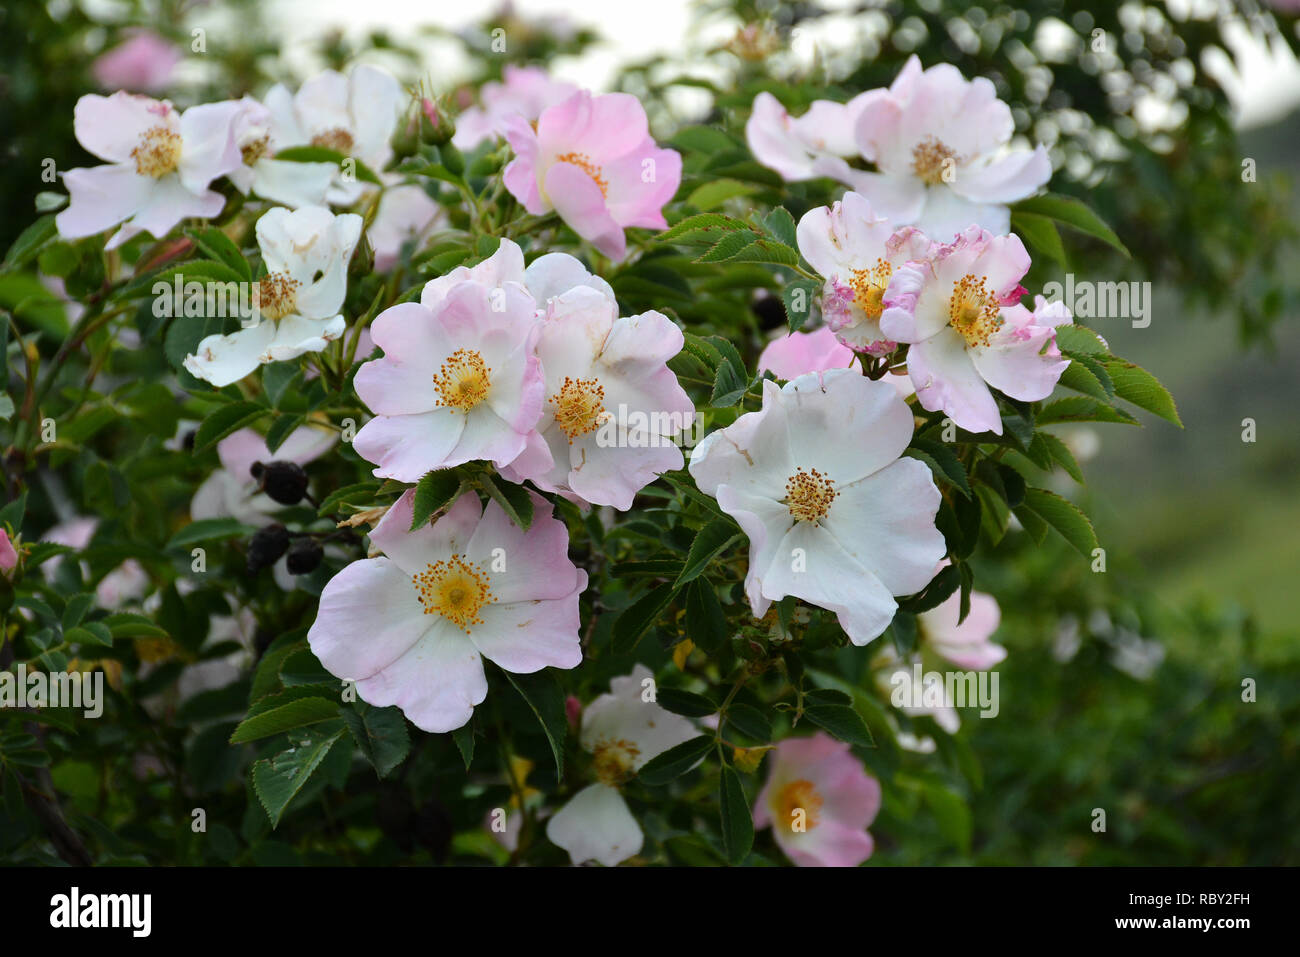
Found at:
[1122, 691]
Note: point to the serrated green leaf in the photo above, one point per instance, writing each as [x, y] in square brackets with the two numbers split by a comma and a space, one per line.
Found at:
[1065, 517]
[276, 780]
[293, 714]
[711, 541]
[546, 699]
[737, 825]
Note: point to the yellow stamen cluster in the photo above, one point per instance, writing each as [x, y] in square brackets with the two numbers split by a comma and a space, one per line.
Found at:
[614, 761]
[931, 161]
[454, 589]
[337, 139]
[973, 310]
[584, 163]
[463, 381]
[277, 295]
[869, 286]
[579, 406]
[797, 796]
[808, 495]
[158, 153]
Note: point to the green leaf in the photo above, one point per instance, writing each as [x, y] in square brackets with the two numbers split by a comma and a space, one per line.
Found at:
[737, 825]
[936, 592]
[706, 623]
[362, 491]
[464, 738]
[91, 633]
[217, 245]
[676, 761]
[434, 493]
[1065, 517]
[513, 499]
[781, 225]
[702, 230]
[207, 529]
[766, 251]
[728, 246]
[1080, 340]
[225, 420]
[1082, 409]
[295, 713]
[380, 733]
[546, 699]
[29, 242]
[710, 542]
[944, 462]
[716, 192]
[76, 609]
[1040, 234]
[277, 779]
[749, 721]
[125, 624]
[1062, 455]
[686, 703]
[841, 721]
[1136, 385]
[797, 297]
[636, 619]
[1081, 376]
[1068, 210]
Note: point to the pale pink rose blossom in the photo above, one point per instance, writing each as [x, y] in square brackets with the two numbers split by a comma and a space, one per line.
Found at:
[834, 516]
[160, 163]
[354, 115]
[546, 277]
[856, 252]
[412, 627]
[941, 145]
[406, 214]
[592, 160]
[143, 63]
[457, 382]
[966, 644]
[289, 182]
[525, 91]
[959, 309]
[819, 801]
[613, 407]
[622, 730]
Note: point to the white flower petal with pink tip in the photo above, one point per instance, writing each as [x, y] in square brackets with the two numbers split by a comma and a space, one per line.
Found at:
[613, 407]
[161, 163]
[411, 627]
[833, 514]
[457, 382]
[819, 801]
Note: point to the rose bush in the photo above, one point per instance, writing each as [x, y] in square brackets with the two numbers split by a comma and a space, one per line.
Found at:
[549, 489]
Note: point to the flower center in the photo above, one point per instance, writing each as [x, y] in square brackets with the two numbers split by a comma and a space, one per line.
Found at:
[615, 761]
[579, 406]
[584, 163]
[255, 149]
[797, 806]
[808, 495]
[337, 139]
[869, 286]
[933, 162]
[454, 589]
[158, 153]
[973, 310]
[463, 381]
[277, 295]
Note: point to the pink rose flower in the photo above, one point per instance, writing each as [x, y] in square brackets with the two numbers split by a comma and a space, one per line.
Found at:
[143, 63]
[457, 382]
[966, 644]
[819, 801]
[789, 357]
[959, 309]
[160, 163]
[412, 627]
[592, 160]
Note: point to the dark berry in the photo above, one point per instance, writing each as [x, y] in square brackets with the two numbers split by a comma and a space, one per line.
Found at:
[266, 546]
[285, 482]
[305, 555]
